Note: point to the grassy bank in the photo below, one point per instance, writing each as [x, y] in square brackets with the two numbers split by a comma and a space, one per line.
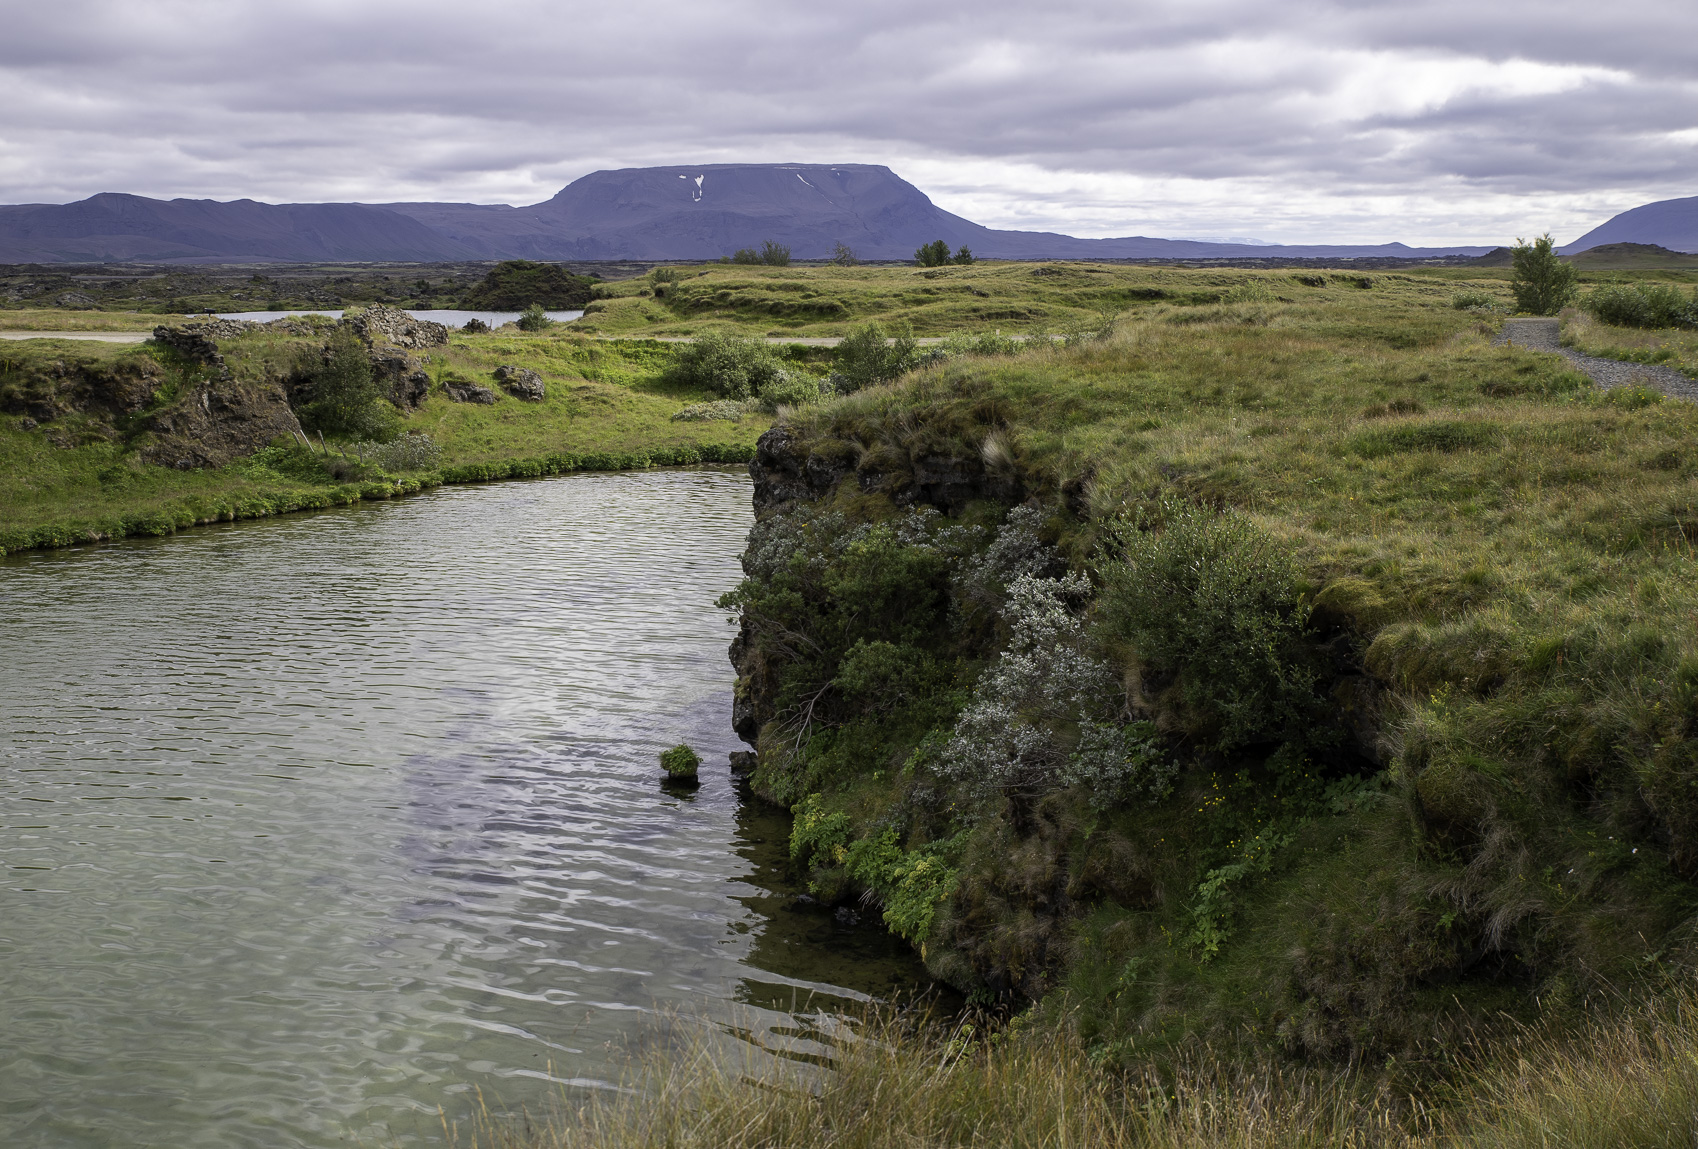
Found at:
[1389, 633]
[1631, 1079]
[76, 478]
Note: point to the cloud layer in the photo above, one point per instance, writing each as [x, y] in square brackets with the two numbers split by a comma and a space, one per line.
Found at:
[1429, 121]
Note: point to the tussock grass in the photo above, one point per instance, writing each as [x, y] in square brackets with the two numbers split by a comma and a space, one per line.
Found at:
[1629, 1080]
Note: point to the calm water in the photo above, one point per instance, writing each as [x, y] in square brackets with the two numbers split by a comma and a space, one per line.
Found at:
[310, 825]
[450, 318]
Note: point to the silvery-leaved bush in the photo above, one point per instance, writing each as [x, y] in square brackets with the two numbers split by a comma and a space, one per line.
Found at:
[1044, 714]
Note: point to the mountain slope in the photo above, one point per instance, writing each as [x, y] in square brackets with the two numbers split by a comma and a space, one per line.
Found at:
[696, 213]
[1670, 223]
[707, 211]
[113, 227]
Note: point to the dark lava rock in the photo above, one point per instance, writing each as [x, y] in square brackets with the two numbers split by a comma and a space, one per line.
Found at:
[219, 420]
[463, 391]
[404, 380]
[520, 382]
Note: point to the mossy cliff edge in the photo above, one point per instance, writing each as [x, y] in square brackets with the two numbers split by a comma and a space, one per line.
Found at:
[1323, 678]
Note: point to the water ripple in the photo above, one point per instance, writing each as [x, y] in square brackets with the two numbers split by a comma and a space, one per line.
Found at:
[308, 826]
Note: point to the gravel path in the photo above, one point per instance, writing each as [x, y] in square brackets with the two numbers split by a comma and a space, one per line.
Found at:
[1545, 335]
[96, 336]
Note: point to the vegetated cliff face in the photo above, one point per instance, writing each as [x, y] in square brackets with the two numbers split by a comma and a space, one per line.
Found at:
[968, 737]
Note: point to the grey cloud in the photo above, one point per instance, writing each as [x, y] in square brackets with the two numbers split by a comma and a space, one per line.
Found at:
[382, 101]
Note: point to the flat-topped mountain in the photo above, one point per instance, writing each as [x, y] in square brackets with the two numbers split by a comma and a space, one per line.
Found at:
[685, 213]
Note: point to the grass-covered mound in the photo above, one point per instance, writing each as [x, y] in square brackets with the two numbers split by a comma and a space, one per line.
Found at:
[1335, 681]
[516, 284]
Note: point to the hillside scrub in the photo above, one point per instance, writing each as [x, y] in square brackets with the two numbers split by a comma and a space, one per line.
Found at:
[1381, 701]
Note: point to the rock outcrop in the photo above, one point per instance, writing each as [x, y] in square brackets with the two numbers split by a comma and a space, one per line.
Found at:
[389, 334]
[381, 323]
[218, 421]
[465, 391]
[520, 382]
[198, 341]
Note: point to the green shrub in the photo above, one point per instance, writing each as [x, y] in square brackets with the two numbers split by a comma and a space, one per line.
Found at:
[1642, 305]
[1542, 282]
[844, 256]
[1253, 290]
[680, 761]
[346, 399]
[1211, 600]
[866, 357]
[730, 366]
[1473, 301]
[745, 255]
[535, 319]
[790, 390]
[775, 254]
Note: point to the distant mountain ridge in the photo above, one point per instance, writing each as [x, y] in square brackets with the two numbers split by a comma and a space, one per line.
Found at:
[684, 213]
[1670, 223]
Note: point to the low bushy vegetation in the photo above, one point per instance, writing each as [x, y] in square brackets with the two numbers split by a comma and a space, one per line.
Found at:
[342, 397]
[737, 367]
[1642, 305]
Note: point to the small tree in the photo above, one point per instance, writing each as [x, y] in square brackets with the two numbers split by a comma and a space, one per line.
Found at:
[775, 254]
[933, 254]
[745, 255]
[963, 254]
[844, 256]
[1542, 282]
[345, 397]
[865, 357]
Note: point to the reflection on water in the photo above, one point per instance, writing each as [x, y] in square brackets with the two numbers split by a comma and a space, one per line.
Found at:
[307, 826]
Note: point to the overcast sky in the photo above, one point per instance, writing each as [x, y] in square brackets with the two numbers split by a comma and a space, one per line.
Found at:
[1427, 121]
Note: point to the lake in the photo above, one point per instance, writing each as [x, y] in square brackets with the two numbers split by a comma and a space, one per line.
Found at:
[310, 825]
